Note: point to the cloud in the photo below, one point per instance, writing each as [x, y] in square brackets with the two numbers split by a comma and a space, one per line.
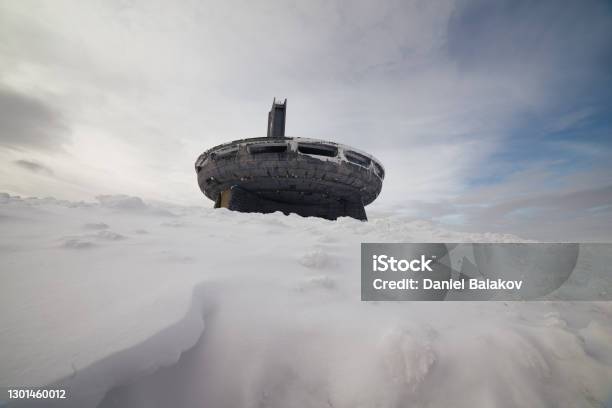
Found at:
[557, 203]
[29, 123]
[34, 167]
[545, 40]
[571, 215]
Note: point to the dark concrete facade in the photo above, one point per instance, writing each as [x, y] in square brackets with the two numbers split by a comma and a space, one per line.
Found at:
[309, 177]
[245, 201]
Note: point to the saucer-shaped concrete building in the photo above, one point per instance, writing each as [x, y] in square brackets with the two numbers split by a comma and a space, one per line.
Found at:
[309, 177]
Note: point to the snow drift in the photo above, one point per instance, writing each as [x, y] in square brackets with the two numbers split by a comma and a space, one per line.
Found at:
[128, 304]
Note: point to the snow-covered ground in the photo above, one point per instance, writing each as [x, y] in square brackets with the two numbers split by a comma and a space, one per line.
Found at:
[130, 304]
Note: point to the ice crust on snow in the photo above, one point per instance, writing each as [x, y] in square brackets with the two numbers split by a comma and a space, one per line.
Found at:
[130, 304]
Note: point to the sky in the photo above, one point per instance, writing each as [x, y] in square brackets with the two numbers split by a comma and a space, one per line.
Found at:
[488, 116]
